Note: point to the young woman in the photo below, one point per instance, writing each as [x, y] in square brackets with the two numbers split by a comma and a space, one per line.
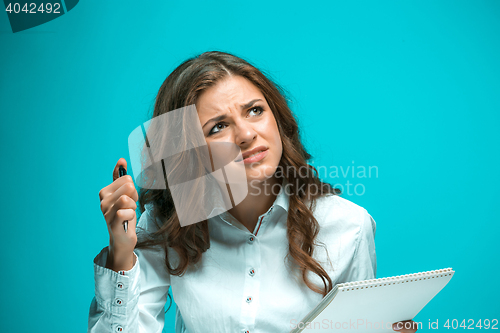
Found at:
[262, 265]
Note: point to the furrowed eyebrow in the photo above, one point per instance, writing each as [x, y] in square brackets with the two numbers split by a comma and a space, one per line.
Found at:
[249, 104]
[216, 119]
[223, 116]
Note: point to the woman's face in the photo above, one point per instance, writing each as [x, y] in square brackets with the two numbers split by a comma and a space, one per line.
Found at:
[247, 122]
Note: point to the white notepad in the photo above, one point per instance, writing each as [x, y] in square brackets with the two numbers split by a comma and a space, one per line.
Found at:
[373, 305]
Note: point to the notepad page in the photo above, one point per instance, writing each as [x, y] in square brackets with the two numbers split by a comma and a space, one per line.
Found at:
[374, 305]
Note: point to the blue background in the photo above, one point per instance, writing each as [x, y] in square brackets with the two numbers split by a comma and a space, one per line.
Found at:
[411, 87]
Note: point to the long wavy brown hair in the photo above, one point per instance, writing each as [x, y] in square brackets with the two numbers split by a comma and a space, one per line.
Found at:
[182, 88]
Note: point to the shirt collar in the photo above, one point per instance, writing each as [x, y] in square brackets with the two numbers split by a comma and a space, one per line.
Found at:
[282, 200]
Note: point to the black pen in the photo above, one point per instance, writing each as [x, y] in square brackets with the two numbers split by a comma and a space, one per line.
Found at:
[123, 172]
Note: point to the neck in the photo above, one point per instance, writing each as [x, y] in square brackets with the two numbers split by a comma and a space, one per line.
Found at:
[261, 196]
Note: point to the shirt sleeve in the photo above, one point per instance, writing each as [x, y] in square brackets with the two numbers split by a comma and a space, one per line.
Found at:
[364, 263]
[130, 301]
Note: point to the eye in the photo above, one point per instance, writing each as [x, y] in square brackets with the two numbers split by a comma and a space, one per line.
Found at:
[259, 109]
[216, 127]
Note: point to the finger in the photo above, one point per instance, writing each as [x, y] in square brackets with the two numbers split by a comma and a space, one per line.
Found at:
[122, 202]
[116, 171]
[117, 182]
[127, 188]
[121, 216]
[123, 185]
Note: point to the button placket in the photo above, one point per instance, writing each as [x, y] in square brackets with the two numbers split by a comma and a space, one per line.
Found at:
[121, 297]
[251, 282]
[263, 219]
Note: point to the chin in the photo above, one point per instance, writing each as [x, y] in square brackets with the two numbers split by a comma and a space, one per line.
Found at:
[260, 173]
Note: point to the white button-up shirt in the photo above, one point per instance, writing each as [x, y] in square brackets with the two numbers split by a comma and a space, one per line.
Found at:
[243, 282]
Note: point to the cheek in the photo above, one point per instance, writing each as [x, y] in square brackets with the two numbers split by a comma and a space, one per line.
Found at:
[276, 139]
[279, 146]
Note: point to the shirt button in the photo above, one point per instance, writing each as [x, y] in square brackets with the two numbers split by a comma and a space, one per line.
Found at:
[119, 329]
[249, 299]
[251, 239]
[251, 272]
[118, 301]
[119, 285]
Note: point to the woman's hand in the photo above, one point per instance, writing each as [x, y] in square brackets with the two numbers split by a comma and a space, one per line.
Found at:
[118, 204]
[407, 326]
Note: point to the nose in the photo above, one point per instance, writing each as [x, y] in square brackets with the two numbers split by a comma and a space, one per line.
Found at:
[244, 133]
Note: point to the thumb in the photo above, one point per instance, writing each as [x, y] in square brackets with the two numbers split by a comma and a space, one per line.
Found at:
[116, 172]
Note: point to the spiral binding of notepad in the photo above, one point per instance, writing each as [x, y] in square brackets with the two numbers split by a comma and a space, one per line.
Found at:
[382, 282]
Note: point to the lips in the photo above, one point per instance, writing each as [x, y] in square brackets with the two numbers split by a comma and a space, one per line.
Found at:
[254, 151]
